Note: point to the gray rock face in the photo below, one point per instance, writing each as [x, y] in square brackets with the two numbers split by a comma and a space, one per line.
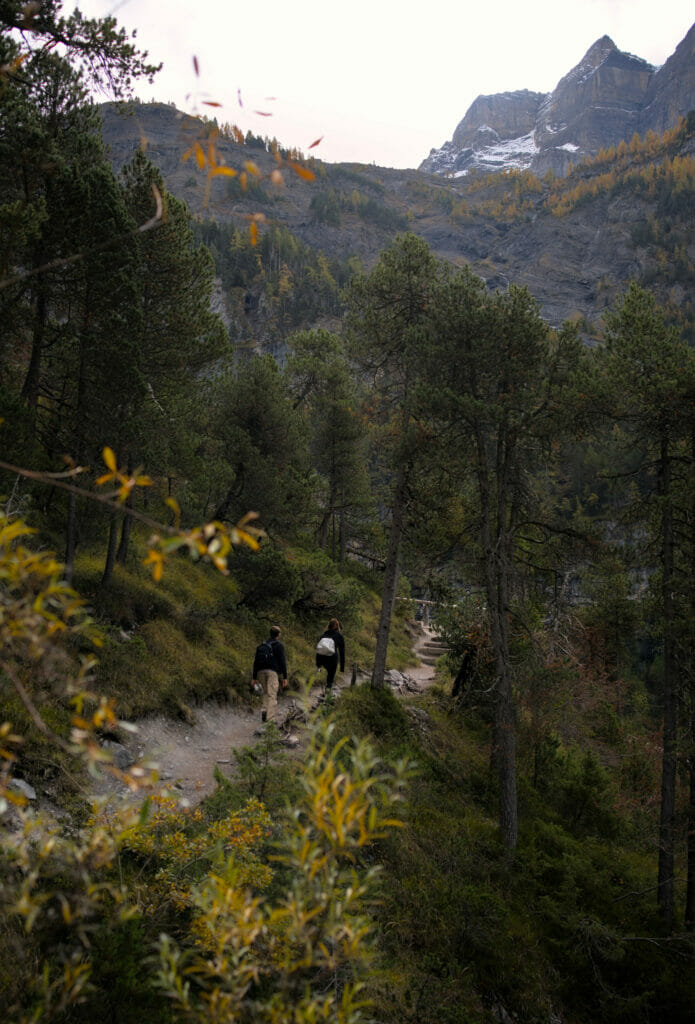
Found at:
[606, 98]
[597, 104]
[671, 92]
[497, 132]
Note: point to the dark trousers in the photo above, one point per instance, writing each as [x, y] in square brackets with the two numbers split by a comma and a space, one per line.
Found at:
[330, 663]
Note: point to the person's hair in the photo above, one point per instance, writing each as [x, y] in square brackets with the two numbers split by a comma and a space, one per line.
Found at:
[275, 631]
[334, 624]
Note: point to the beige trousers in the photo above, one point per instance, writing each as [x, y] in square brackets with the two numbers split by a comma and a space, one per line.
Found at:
[271, 684]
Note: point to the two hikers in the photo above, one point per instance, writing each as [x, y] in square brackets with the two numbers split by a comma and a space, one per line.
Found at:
[270, 665]
[330, 649]
[270, 672]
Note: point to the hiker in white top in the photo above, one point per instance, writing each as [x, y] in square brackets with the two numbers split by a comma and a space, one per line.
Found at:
[329, 650]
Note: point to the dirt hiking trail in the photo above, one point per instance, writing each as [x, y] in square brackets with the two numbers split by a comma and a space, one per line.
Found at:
[188, 754]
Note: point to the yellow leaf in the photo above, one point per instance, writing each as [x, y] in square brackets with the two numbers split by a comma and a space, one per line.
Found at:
[109, 459]
[276, 177]
[199, 155]
[174, 506]
[316, 142]
[303, 172]
[228, 172]
[212, 103]
[156, 560]
[103, 479]
[251, 167]
[253, 233]
[246, 538]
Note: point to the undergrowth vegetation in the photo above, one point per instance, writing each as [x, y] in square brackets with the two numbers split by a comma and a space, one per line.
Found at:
[292, 892]
[566, 930]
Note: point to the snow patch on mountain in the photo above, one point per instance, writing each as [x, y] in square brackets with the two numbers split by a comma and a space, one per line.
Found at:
[502, 154]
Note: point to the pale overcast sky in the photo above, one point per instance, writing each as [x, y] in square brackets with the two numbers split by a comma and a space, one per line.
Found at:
[382, 81]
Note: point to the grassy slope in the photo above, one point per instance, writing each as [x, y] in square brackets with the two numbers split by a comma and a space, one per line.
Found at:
[171, 645]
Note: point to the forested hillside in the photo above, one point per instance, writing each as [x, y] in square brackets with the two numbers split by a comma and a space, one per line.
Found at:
[517, 843]
[575, 241]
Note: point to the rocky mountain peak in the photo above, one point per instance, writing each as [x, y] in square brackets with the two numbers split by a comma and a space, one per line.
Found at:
[597, 53]
[608, 96]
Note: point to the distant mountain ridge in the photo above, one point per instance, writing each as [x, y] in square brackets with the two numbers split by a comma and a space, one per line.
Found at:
[607, 97]
[574, 241]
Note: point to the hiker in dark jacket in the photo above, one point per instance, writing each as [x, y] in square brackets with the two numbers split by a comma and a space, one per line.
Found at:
[271, 674]
[330, 661]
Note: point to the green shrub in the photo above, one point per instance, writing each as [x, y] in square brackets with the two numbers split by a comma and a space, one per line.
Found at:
[372, 711]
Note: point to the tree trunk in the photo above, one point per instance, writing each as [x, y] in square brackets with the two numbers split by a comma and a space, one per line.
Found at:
[124, 542]
[32, 381]
[690, 891]
[497, 555]
[464, 675]
[690, 886]
[71, 525]
[70, 538]
[504, 734]
[342, 531]
[667, 818]
[322, 532]
[391, 574]
[126, 522]
[110, 551]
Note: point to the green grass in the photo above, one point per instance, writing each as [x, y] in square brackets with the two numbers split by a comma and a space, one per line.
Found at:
[173, 644]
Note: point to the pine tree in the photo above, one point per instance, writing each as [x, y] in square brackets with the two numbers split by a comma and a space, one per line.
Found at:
[177, 336]
[645, 381]
[319, 377]
[388, 311]
[494, 378]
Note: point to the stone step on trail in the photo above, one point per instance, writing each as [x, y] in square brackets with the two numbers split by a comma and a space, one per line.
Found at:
[431, 650]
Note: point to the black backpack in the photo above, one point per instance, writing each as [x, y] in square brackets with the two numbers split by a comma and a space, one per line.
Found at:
[265, 655]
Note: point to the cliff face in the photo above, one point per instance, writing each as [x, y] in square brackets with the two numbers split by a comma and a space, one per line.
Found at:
[596, 105]
[607, 97]
[671, 92]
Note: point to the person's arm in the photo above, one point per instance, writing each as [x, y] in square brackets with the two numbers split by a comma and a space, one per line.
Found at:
[283, 663]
